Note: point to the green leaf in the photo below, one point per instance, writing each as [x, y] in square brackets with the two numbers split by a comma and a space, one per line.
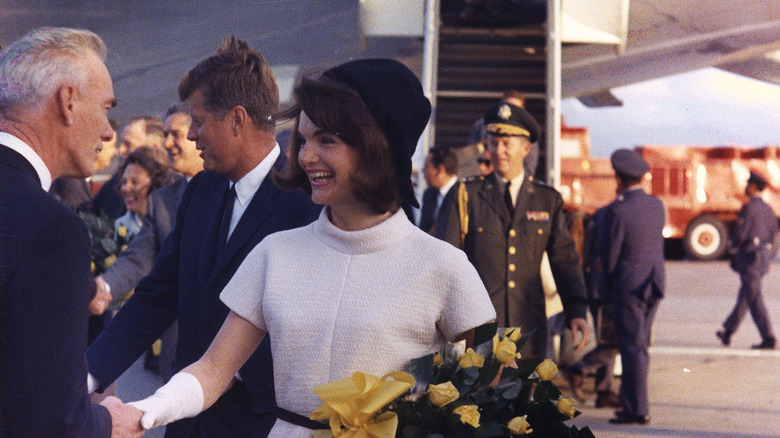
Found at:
[482, 398]
[546, 390]
[488, 430]
[513, 391]
[471, 375]
[490, 369]
[420, 369]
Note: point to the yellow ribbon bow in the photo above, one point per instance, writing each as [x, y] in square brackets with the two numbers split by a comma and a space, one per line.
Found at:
[350, 405]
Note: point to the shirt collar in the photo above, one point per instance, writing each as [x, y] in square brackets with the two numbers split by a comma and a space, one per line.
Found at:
[249, 183]
[13, 142]
[447, 186]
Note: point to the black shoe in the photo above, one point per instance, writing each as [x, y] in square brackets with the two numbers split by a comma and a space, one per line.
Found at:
[724, 337]
[575, 381]
[621, 418]
[766, 344]
[607, 399]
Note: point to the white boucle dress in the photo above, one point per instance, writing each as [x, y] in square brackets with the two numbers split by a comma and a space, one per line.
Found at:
[335, 302]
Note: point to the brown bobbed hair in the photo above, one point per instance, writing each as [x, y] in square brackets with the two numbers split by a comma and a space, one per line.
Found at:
[235, 75]
[154, 161]
[338, 109]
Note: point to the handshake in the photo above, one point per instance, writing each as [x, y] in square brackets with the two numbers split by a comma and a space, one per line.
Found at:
[181, 397]
[125, 418]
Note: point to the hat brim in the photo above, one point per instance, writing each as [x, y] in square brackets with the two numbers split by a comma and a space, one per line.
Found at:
[506, 129]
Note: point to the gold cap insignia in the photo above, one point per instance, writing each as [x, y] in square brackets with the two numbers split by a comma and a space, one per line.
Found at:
[504, 112]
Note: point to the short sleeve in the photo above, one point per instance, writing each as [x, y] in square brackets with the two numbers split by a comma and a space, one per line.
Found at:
[244, 293]
[466, 303]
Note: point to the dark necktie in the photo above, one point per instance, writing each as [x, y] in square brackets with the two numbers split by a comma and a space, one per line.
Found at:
[227, 215]
[508, 199]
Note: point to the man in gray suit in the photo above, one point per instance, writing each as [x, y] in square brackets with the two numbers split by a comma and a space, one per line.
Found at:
[633, 262]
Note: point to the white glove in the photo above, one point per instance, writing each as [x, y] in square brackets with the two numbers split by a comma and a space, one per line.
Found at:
[181, 397]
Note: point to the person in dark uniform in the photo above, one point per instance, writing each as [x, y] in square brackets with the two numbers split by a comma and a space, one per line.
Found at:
[751, 244]
[633, 263]
[506, 221]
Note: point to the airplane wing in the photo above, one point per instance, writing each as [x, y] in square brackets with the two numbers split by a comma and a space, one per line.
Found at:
[666, 37]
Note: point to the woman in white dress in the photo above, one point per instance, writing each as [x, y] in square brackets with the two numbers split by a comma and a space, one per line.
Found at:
[360, 289]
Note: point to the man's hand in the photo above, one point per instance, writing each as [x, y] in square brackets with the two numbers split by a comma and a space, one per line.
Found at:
[579, 325]
[102, 299]
[125, 419]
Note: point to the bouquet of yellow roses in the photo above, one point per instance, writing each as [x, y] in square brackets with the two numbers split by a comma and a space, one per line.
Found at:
[485, 391]
[106, 243]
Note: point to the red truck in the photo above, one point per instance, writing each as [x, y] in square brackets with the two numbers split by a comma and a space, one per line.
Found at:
[702, 187]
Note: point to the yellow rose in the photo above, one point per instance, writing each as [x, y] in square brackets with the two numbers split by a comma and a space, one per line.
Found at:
[468, 414]
[471, 359]
[566, 407]
[124, 247]
[547, 369]
[110, 260]
[121, 231]
[505, 350]
[518, 426]
[437, 360]
[513, 333]
[442, 394]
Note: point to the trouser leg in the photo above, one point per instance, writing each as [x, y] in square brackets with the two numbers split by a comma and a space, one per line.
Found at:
[755, 302]
[634, 319]
[738, 312]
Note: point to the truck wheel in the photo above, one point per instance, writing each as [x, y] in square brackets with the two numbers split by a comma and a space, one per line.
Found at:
[705, 238]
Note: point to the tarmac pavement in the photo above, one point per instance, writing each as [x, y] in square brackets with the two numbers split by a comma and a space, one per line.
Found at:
[699, 388]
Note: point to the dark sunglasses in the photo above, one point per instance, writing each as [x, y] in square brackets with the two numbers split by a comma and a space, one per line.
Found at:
[484, 161]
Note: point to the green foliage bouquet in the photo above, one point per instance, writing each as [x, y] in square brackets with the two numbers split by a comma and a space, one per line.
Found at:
[487, 391]
[106, 242]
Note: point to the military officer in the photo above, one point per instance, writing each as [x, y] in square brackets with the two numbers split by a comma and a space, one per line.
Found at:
[633, 263]
[751, 242]
[505, 221]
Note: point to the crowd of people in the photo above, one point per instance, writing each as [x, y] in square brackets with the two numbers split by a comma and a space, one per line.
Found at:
[229, 234]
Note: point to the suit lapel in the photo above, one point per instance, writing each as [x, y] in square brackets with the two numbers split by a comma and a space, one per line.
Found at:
[256, 213]
[207, 250]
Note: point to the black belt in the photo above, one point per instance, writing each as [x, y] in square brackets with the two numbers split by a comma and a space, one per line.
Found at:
[299, 420]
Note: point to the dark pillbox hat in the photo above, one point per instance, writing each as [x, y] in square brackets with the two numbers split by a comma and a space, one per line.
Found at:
[395, 99]
[507, 119]
[629, 163]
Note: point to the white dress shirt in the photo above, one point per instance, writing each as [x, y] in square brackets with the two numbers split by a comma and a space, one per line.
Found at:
[30, 155]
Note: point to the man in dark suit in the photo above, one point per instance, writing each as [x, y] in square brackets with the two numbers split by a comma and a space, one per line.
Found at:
[633, 262]
[224, 212]
[54, 100]
[506, 221]
[601, 359]
[441, 166]
[751, 242]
